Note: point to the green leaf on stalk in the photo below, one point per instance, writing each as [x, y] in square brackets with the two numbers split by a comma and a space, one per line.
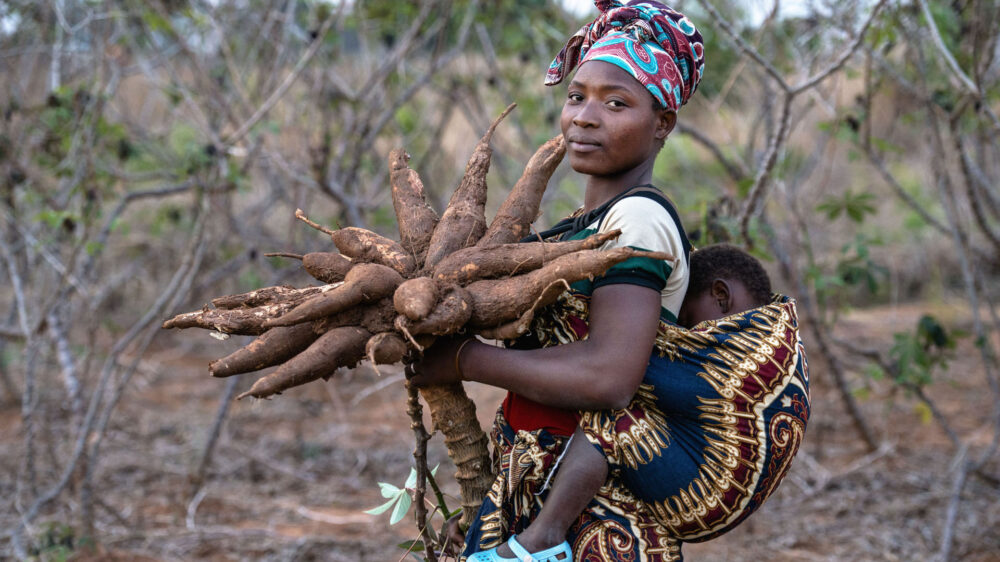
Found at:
[412, 545]
[388, 490]
[401, 508]
[382, 508]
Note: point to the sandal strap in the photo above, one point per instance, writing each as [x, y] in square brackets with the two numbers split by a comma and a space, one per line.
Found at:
[519, 551]
[546, 555]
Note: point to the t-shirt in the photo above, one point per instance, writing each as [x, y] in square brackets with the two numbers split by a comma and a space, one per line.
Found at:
[646, 224]
[648, 221]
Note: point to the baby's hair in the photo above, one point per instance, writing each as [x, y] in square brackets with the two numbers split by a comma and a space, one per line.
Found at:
[725, 261]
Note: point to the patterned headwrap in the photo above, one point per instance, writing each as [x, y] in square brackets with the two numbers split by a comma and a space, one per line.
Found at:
[657, 45]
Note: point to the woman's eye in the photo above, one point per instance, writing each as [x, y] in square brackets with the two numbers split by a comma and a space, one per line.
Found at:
[616, 103]
[574, 97]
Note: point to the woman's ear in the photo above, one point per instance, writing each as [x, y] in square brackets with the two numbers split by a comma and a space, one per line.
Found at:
[665, 121]
[722, 294]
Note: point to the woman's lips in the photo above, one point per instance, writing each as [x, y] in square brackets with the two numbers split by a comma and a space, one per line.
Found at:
[583, 145]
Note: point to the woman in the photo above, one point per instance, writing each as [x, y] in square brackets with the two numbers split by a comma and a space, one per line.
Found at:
[637, 65]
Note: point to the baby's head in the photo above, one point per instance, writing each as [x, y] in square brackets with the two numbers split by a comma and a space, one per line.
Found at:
[724, 280]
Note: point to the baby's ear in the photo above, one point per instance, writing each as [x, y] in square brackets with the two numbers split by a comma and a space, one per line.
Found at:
[665, 121]
[723, 294]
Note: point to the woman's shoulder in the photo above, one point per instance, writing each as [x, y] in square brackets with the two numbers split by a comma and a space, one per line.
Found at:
[648, 221]
[641, 210]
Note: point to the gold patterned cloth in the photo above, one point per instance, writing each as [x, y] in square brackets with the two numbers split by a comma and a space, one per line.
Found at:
[708, 437]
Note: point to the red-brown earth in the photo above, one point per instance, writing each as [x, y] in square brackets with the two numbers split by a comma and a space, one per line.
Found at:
[292, 476]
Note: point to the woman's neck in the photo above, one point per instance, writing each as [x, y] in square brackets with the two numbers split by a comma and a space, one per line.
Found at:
[601, 189]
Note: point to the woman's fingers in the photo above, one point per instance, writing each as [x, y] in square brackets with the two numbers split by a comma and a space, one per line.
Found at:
[456, 538]
[437, 365]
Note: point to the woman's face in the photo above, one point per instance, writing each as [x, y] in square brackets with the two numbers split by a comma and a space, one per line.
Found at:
[609, 122]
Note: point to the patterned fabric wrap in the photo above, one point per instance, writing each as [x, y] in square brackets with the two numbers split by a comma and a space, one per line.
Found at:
[613, 527]
[657, 45]
[710, 434]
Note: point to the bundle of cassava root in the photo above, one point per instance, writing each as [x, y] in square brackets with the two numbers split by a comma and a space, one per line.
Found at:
[386, 301]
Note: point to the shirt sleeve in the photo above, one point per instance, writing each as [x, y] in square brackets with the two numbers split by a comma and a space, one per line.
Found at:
[645, 225]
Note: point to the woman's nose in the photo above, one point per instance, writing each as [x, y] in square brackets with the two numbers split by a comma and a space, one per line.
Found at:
[586, 115]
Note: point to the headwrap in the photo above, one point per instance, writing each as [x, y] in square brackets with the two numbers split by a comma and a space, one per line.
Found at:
[657, 45]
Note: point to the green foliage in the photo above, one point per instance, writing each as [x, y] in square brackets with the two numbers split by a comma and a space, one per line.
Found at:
[884, 30]
[55, 219]
[857, 268]
[916, 355]
[168, 217]
[384, 219]
[848, 134]
[722, 57]
[852, 205]
[399, 501]
[250, 279]
[93, 247]
[413, 546]
[309, 450]
[237, 175]
[854, 269]
[407, 119]
[947, 19]
[56, 542]
[155, 22]
[8, 355]
[188, 146]
[513, 31]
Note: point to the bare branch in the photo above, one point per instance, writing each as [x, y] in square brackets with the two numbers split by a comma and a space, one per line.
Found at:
[844, 57]
[102, 238]
[271, 101]
[405, 43]
[11, 333]
[736, 169]
[14, 274]
[837, 370]
[961, 468]
[977, 188]
[949, 59]
[167, 295]
[759, 190]
[900, 192]
[744, 46]
[415, 411]
[198, 479]
[67, 362]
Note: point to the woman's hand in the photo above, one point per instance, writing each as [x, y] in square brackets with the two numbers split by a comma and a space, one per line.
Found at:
[439, 364]
[454, 535]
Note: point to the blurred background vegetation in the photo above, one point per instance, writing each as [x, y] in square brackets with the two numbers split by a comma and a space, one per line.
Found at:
[152, 152]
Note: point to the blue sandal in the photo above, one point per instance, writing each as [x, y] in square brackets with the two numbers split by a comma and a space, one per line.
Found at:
[547, 555]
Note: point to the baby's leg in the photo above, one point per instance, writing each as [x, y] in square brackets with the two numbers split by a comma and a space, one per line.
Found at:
[581, 474]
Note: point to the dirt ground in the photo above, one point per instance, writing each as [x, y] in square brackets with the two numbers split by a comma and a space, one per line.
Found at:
[291, 476]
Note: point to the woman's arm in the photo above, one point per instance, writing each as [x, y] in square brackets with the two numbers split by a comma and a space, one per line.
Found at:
[600, 372]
